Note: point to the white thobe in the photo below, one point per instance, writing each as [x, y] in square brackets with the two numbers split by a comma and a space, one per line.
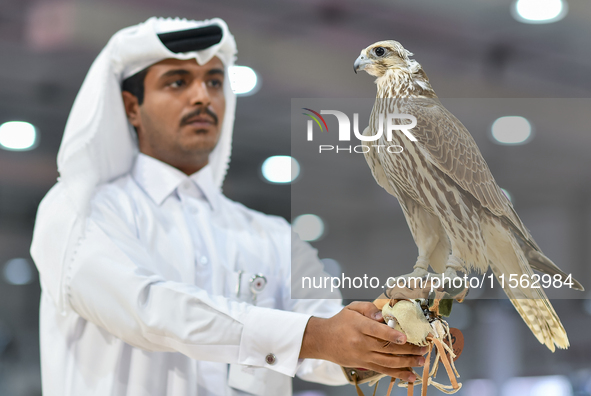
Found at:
[160, 301]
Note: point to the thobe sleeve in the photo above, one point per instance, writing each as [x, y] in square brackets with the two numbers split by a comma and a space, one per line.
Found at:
[109, 283]
[319, 303]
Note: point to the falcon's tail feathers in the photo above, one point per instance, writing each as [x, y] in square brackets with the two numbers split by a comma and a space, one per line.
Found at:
[532, 304]
[538, 261]
[540, 317]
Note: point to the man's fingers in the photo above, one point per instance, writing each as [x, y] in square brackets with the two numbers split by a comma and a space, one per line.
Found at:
[367, 309]
[391, 361]
[403, 374]
[384, 332]
[382, 346]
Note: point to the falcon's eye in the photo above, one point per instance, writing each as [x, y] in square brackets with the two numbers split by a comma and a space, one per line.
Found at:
[380, 51]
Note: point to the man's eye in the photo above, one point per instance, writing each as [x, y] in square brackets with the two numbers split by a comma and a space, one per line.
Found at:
[215, 83]
[177, 84]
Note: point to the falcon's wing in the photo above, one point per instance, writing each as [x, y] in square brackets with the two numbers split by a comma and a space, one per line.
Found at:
[447, 144]
[376, 167]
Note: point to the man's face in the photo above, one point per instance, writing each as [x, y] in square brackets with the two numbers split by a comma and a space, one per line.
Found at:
[180, 119]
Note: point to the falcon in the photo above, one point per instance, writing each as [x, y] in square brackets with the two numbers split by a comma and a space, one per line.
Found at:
[459, 217]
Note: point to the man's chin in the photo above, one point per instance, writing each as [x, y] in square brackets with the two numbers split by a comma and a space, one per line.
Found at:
[200, 148]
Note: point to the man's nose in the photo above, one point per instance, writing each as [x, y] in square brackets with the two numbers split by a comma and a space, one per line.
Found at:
[199, 94]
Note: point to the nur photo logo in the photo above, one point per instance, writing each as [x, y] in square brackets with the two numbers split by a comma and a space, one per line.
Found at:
[386, 123]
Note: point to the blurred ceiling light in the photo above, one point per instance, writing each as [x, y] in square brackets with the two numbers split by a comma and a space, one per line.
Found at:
[309, 227]
[332, 267]
[539, 11]
[243, 80]
[17, 136]
[18, 271]
[280, 169]
[511, 130]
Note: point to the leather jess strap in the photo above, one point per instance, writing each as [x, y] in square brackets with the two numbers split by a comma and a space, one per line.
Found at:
[375, 389]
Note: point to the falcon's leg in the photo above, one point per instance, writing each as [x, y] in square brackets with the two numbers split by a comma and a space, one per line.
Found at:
[453, 265]
[426, 246]
[430, 238]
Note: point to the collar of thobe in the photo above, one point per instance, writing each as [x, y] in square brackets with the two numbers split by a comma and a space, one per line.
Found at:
[160, 180]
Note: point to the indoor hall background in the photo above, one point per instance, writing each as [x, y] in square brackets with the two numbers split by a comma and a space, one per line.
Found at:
[306, 49]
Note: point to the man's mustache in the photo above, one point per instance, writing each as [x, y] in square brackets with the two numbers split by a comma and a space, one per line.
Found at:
[197, 112]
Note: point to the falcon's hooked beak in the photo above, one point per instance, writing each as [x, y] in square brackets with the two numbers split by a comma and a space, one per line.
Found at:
[360, 63]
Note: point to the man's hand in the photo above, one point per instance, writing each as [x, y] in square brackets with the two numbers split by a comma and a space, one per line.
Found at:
[357, 337]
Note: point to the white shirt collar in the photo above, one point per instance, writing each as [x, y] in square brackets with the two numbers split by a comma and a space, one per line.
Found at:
[159, 179]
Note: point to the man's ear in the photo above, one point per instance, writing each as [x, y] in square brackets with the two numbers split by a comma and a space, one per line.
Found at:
[132, 108]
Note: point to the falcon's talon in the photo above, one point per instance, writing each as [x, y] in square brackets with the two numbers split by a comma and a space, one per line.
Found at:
[423, 275]
[409, 317]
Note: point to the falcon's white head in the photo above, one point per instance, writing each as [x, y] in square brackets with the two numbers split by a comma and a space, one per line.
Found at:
[390, 61]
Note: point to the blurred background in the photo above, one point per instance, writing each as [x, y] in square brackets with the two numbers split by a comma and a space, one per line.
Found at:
[532, 53]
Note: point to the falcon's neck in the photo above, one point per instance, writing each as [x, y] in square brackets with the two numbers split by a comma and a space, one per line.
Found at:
[398, 83]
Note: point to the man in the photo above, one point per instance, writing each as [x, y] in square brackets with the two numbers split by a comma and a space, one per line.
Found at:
[153, 282]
